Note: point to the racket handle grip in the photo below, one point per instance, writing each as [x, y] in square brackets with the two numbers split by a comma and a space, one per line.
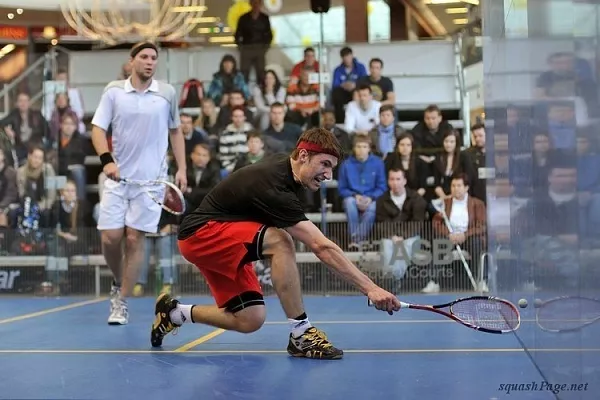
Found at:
[402, 304]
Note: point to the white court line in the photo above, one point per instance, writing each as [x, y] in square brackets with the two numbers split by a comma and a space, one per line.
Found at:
[356, 351]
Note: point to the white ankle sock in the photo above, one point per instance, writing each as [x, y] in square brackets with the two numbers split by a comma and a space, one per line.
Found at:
[181, 314]
[298, 327]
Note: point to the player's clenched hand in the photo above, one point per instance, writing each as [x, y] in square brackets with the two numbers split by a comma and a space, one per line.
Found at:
[384, 300]
[181, 180]
[111, 171]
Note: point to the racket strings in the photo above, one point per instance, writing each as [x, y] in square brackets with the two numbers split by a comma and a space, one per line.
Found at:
[487, 314]
[173, 200]
[568, 314]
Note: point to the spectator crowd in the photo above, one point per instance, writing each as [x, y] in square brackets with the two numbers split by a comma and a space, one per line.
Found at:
[387, 182]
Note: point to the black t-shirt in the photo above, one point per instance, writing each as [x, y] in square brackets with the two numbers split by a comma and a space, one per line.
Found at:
[379, 88]
[264, 192]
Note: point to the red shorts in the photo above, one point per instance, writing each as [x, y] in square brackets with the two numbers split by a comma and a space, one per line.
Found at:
[224, 253]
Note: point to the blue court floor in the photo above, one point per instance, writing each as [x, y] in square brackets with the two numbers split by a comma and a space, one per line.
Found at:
[63, 349]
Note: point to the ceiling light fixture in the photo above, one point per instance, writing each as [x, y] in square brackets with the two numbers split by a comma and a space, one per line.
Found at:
[126, 21]
[458, 10]
[221, 39]
[460, 21]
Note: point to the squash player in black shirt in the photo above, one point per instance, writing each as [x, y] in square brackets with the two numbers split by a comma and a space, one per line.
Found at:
[253, 215]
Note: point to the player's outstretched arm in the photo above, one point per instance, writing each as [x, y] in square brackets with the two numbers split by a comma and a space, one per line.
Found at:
[331, 254]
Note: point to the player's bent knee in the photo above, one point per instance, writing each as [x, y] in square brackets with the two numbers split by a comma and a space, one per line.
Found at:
[277, 240]
[249, 310]
[251, 319]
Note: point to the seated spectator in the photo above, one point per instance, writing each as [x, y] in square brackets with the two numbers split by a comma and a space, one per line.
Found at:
[449, 164]
[267, 93]
[233, 140]
[256, 151]
[467, 217]
[75, 100]
[563, 80]
[550, 226]
[400, 214]
[519, 130]
[382, 87]
[416, 171]
[345, 78]
[529, 173]
[8, 147]
[71, 155]
[309, 63]
[328, 122]
[476, 159]
[561, 125]
[9, 193]
[236, 100]
[361, 182]
[61, 108]
[203, 174]
[588, 183]
[25, 126]
[192, 136]
[502, 207]
[362, 114]
[281, 135]
[303, 102]
[31, 185]
[227, 80]
[207, 120]
[429, 134]
[161, 245]
[385, 134]
[71, 217]
[125, 71]
[192, 94]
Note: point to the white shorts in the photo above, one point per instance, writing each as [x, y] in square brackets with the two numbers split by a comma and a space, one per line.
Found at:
[127, 205]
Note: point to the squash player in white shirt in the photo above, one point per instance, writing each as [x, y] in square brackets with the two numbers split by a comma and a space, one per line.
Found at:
[362, 114]
[144, 115]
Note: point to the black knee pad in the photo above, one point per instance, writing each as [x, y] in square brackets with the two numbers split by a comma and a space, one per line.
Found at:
[244, 300]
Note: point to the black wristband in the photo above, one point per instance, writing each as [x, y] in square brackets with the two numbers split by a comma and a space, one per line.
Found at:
[106, 158]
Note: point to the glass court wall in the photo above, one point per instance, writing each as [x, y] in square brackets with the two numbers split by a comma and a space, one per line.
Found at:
[541, 94]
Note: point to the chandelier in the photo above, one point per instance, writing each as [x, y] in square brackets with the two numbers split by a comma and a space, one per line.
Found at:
[120, 21]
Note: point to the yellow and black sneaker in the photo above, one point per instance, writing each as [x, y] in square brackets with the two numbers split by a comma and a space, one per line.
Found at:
[162, 321]
[313, 344]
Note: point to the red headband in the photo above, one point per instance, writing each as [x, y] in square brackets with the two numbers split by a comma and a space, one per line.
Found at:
[308, 146]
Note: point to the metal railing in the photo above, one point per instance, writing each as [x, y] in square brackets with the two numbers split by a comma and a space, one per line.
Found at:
[45, 66]
[42, 262]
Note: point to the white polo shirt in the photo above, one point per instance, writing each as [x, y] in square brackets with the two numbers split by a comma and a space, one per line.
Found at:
[140, 126]
[358, 119]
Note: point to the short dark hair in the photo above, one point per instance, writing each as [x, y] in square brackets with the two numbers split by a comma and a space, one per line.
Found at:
[461, 177]
[387, 107]
[376, 60]
[254, 134]
[364, 86]
[345, 51]
[433, 108]
[396, 169]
